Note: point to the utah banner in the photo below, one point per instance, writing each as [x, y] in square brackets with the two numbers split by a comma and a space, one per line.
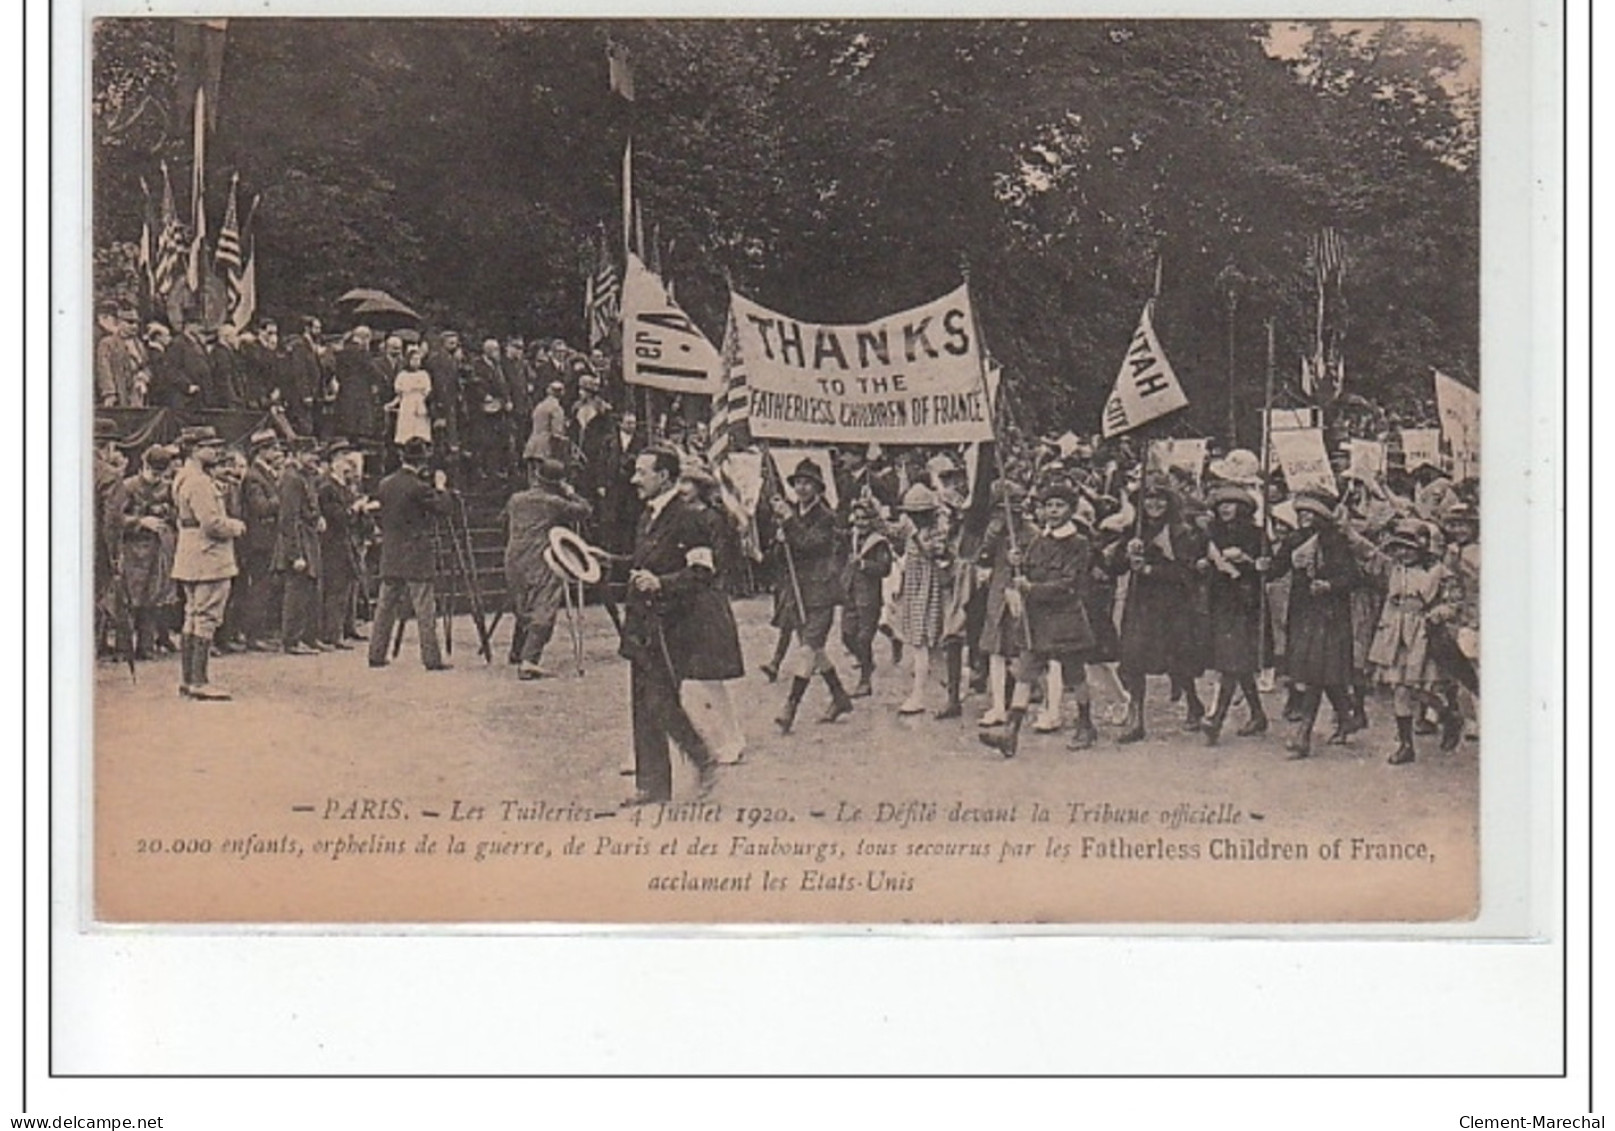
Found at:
[1146, 387]
[910, 378]
[661, 347]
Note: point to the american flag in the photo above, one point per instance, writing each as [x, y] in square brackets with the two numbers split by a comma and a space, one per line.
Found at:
[602, 301]
[1328, 256]
[227, 253]
[166, 269]
[730, 428]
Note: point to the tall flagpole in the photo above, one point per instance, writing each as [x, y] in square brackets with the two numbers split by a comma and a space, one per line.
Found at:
[1263, 628]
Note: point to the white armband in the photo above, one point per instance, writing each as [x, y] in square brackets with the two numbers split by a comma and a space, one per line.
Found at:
[699, 556]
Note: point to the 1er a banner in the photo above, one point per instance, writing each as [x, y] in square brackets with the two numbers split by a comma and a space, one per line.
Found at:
[910, 378]
[661, 347]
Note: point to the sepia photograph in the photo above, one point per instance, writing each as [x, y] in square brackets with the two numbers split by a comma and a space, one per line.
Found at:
[795, 471]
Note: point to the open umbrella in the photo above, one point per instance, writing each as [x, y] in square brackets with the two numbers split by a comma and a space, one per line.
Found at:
[385, 311]
[360, 294]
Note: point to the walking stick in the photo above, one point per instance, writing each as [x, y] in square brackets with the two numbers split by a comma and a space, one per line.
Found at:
[398, 635]
[771, 478]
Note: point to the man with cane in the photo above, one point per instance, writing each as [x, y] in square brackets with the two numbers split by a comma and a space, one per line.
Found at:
[411, 500]
[672, 561]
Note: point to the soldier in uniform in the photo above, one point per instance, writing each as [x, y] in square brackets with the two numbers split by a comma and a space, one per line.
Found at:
[204, 557]
[411, 500]
[148, 537]
[672, 561]
[806, 530]
[110, 464]
[297, 550]
[535, 589]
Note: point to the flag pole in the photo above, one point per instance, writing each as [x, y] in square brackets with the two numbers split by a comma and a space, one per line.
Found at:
[992, 425]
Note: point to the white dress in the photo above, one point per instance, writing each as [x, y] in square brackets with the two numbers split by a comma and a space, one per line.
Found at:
[413, 386]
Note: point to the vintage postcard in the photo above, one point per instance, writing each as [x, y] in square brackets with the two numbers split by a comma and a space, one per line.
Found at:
[847, 471]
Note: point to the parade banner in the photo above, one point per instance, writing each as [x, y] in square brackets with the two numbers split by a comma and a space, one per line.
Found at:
[1146, 387]
[661, 347]
[1288, 419]
[1187, 456]
[1305, 461]
[1459, 407]
[914, 377]
[786, 459]
[1421, 446]
[1367, 460]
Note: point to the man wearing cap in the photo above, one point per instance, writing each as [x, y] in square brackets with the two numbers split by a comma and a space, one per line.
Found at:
[147, 552]
[260, 509]
[110, 466]
[119, 360]
[547, 440]
[535, 589]
[672, 560]
[204, 557]
[411, 501]
[297, 551]
[806, 531]
[340, 507]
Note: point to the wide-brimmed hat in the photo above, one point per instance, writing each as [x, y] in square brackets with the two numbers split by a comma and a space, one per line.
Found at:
[1238, 466]
[919, 499]
[1315, 505]
[942, 464]
[157, 457]
[1229, 493]
[807, 469]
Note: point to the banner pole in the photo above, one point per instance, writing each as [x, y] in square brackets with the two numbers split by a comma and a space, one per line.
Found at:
[1263, 628]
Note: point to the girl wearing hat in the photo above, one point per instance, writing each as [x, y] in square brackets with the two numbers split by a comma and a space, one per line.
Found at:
[1048, 581]
[1318, 648]
[868, 565]
[927, 560]
[1419, 595]
[1160, 634]
[1234, 567]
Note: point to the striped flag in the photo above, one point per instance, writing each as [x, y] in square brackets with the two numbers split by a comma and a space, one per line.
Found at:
[165, 270]
[243, 298]
[1328, 257]
[730, 426]
[227, 254]
[602, 297]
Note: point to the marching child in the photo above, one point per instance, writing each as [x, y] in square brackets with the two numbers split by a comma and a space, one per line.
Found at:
[862, 578]
[1047, 587]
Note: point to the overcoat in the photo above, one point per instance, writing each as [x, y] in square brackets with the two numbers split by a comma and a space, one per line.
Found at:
[148, 558]
[298, 529]
[1234, 601]
[1056, 566]
[675, 545]
[410, 507]
[1318, 651]
[205, 550]
[1163, 621]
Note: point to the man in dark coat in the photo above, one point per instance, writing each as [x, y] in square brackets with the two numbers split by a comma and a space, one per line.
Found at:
[488, 411]
[672, 560]
[260, 507]
[227, 389]
[260, 364]
[302, 381]
[339, 506]
[359, 379]
[616, 505]
[180, 369]
[445, 361]
[149, 536]
[412, 499]
[297, 551]
[806, 530]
